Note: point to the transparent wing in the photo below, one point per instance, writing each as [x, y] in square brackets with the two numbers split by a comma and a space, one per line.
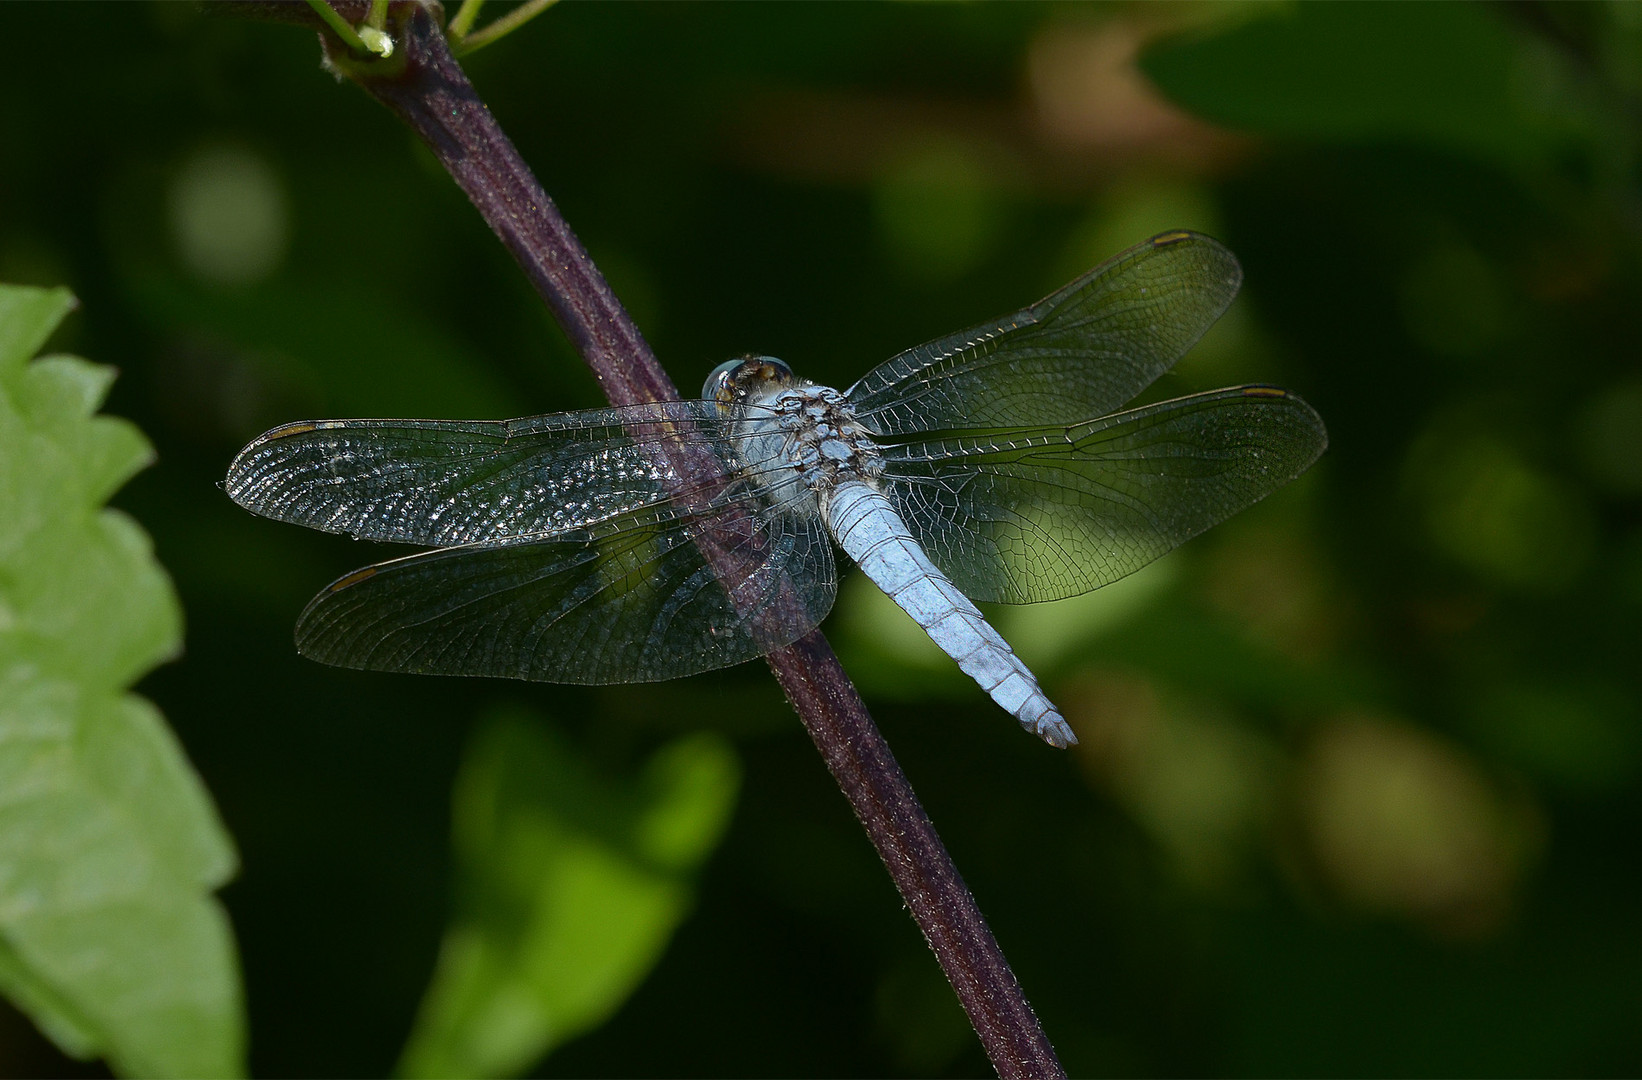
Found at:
[632, 600]
[1029, 515]
[445, 482]
[1085, 351]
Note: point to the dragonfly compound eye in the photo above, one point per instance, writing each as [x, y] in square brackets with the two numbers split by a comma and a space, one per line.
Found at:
[717, 387]
[735, 379]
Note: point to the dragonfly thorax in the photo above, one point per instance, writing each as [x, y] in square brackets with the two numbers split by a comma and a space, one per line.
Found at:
[822, 438]
[795, 424]
[790, 429]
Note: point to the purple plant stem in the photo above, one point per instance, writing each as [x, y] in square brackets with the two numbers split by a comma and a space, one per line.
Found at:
[425, 87]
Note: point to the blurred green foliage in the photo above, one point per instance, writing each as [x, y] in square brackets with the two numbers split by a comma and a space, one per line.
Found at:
[571, 887]
[110, 849]
[1358, 788]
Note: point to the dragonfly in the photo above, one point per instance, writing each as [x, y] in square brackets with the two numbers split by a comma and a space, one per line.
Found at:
[653, 541]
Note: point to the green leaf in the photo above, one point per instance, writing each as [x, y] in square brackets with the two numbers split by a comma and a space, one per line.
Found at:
[110, 847]
[571, 886]
[1456, 75]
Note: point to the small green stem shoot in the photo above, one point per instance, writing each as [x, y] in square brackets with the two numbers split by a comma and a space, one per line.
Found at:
[502, 26]
[466, 16]
[338, 25]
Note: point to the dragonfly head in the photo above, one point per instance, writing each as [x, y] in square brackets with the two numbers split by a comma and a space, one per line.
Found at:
[746, 378]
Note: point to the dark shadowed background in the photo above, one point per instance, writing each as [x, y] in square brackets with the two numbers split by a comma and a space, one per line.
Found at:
[1358, 789]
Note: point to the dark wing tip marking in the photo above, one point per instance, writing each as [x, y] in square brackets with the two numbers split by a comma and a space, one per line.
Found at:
[1277, 393]
[238, 486]
[284, 431]
[350, 579]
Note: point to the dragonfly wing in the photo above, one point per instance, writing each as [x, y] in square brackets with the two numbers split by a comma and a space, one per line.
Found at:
[445, 482]
[1027, 515]
[633, 600]
[1087, 350]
